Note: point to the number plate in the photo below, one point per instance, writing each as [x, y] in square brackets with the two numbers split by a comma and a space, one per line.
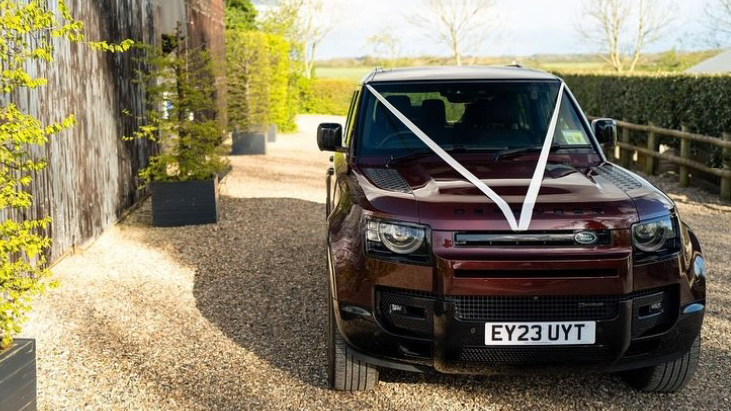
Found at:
[543, 333]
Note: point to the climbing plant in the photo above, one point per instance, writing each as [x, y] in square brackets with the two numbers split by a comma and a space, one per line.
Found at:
[28, 31]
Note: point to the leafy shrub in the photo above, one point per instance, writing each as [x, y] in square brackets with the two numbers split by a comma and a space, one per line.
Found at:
[326, 96]
[28, 32]
[700, 102]
[260, 90]
[182, 115]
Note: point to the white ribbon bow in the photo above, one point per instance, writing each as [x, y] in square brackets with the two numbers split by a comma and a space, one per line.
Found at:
[526, 214]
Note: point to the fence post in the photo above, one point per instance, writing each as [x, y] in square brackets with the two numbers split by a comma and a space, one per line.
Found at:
[726, 182]
[651, 145]
[684, 153]
[624, 153]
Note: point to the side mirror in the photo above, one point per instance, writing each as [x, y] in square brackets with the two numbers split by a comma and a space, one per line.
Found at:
[330, 137]
[605, 130]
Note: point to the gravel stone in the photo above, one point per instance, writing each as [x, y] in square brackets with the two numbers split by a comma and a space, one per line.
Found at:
[232, 316]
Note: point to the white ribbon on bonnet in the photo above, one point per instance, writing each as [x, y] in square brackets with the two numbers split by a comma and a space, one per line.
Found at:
[529, 203]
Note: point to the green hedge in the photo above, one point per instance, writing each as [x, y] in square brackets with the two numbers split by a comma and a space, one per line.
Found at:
[259, 80]
[702, 103]
[326, 96]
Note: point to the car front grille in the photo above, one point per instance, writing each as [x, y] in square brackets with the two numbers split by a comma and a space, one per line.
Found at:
[540, 308]
[534, 355]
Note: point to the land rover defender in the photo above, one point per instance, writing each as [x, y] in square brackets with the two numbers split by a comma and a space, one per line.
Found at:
[475, 225]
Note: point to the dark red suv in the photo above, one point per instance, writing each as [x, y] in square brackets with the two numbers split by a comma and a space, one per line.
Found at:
[475, 226]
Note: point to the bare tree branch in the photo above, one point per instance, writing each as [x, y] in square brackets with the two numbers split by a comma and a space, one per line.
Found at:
[607, 23]
[718, 21]
[461, 25]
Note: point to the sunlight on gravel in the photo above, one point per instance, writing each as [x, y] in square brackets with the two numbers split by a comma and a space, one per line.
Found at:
[232, 316]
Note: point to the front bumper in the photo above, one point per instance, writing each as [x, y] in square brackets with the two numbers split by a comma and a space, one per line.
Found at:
[446, 333]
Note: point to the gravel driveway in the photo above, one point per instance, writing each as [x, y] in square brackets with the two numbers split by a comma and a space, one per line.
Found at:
[232, 316]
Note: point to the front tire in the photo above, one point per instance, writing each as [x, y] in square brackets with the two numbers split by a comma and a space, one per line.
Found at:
[667, 377]
[345, 372]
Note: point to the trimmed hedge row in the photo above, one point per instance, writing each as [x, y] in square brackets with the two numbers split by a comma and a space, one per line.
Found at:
[326, 96]
[702, 103]
[260, 89]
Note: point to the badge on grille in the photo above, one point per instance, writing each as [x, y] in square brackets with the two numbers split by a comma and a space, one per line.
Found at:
[586, 238]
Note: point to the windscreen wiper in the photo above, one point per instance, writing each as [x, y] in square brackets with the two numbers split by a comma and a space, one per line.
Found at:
[524, 150]
[410, 156]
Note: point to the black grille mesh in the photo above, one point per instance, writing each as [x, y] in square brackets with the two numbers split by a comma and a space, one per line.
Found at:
[619, 178]
[388, 179]
[534, 355]
[419, 326]
[536, 308]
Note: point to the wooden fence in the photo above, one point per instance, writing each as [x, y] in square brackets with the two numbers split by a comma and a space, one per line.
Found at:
[684, 161]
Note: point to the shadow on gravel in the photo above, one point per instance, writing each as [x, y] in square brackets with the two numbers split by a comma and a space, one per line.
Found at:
[260, 279]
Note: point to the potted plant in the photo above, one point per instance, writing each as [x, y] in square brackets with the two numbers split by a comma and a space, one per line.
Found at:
[28, 31]
[183, 118]
[249, 98]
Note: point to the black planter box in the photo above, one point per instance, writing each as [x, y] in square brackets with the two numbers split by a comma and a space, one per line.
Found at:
[244, 143]
[184, 203]
[272, 134]
[18, 376]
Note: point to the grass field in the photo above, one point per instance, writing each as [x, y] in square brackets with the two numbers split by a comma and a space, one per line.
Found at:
[350, 73]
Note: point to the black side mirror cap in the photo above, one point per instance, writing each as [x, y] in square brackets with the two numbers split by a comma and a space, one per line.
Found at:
[605, 130]
[330, 137]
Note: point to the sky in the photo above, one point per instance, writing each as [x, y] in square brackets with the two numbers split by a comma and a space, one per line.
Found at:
[530, 27]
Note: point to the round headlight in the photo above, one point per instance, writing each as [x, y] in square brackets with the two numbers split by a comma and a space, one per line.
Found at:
[401, 239]
[651, 236]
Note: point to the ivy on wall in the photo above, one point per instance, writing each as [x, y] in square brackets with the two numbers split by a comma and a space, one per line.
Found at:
[28, 30]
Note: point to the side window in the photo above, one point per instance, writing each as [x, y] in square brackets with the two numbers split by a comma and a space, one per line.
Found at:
[351, 116]
[569, 129]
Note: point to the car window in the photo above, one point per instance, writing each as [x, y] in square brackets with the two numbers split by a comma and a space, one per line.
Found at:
[467, 116]
[570, 130]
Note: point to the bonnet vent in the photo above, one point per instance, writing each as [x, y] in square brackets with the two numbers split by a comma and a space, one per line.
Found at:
[388, 179]
[624, 181]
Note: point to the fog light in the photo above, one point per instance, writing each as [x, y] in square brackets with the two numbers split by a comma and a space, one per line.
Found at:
[396, 308]
[651, 310]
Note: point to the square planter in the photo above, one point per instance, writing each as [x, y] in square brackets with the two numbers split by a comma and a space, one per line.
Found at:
[184, 203]
[272, 134]
[248, 143]
[18, 376]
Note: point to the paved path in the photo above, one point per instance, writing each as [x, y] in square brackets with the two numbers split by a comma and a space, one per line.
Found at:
[232, 316]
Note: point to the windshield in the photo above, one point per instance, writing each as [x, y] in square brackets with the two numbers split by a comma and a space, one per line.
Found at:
[467, 117]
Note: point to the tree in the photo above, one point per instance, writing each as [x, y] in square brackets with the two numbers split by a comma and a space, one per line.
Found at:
[182, 114]
[302, 22]
[461, 25]
[607, 23]
[387, 45]
[718, 21]
[240, 15]
[28, 32]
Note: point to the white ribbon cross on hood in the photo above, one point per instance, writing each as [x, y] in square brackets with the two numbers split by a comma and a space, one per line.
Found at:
[529, 203]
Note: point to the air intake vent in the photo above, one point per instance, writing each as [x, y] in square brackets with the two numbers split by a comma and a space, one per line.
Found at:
[388, 179]
[619, 178]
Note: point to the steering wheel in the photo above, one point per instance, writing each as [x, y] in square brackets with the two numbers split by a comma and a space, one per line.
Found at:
[398, 134]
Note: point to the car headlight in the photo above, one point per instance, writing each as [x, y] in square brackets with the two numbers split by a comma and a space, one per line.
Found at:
[656, 237]
[404, 241]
